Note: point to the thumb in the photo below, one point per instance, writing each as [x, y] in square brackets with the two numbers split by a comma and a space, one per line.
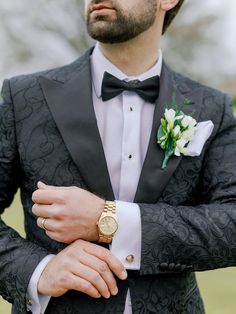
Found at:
[41, 185]
[44, 186]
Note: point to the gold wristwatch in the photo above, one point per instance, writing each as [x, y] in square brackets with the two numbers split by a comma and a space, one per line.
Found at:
[107, 223]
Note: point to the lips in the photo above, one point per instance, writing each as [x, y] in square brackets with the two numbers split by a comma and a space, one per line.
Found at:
[99, 7]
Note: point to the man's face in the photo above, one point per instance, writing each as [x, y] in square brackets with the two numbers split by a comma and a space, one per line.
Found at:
[116, 21]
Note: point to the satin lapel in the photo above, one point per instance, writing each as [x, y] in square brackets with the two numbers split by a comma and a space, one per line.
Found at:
[153, 178]
[72, 109]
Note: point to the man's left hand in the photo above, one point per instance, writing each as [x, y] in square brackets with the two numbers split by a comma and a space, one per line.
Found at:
[70, 213]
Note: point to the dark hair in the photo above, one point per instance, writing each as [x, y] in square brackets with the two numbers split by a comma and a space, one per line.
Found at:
[170, 15]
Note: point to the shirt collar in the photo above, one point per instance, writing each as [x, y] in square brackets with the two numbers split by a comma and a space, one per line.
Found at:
[100, 64]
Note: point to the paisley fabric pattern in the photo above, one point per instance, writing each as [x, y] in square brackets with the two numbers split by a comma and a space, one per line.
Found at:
[191, 225]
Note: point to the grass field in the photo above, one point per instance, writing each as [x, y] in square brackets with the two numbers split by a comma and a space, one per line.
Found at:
[218, 287]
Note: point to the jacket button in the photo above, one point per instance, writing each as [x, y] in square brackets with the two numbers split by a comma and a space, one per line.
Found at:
[163, 266]
[171, 266]
[178, 267]
[183, 267]
[189, 268]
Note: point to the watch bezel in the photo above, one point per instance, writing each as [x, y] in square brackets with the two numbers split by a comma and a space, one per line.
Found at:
[101, 228]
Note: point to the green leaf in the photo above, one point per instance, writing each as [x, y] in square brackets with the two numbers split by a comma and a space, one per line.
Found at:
[160, 133]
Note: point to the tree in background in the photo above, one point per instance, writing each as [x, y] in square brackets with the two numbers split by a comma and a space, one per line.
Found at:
[36, 35]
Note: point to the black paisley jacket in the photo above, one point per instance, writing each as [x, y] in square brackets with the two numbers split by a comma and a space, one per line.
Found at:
[48, 132]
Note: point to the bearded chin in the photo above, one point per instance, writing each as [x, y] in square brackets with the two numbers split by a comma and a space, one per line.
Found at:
[120, 30]
[110, 34]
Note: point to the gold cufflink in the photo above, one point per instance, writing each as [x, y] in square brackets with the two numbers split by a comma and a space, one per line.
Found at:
[29, 302]
[130, 258]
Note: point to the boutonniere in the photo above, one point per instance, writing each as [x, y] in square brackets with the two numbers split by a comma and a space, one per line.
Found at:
[176, 131]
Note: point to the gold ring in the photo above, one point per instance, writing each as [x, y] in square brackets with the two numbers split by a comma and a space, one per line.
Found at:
[43, 223]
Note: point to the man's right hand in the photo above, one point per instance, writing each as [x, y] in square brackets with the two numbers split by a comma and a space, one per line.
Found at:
[82, 266]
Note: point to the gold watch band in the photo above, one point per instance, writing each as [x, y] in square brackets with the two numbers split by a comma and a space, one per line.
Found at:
[109, 209]
[104, 239]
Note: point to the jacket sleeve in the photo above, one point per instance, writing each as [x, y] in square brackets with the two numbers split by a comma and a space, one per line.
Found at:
[18, 257]
[195, 238]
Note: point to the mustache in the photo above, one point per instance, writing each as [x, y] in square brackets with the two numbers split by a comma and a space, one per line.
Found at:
[108, 3]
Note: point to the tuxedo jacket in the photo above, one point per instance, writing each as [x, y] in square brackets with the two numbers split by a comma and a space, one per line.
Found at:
[48, 132]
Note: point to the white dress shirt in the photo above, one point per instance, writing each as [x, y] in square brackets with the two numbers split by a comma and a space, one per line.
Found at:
[124, 124]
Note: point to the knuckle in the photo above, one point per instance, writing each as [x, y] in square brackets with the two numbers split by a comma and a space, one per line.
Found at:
[79, 244]
[64, 280]
[103, 268]
[86, 286]
[71, 252]
[56, 209]
[60, 197]
[65, 264]
[96, 277]
[106, 254]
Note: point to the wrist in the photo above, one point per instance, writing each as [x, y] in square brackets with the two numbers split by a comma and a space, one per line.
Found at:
[100, 204]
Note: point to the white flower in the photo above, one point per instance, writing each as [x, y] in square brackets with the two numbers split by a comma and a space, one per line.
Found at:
[176, 130]
[170, 118]
[179, 117]
[188, 122]
[180, 147]
[188, 134]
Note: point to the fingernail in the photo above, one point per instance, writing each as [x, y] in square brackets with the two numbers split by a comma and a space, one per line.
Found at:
[98, 295]
[107, 296]
[115, 291]
[124, 274]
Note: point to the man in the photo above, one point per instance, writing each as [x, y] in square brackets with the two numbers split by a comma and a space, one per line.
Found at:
[82, 141]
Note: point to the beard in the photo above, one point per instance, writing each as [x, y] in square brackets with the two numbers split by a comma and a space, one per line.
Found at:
[125, 25]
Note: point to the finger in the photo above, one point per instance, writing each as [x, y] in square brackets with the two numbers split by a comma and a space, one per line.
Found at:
[48, 197]
[43, 210]
[58, 236]
[82, 285]
[113, 262]
[44, 223]
[102, 268]
[92, 277]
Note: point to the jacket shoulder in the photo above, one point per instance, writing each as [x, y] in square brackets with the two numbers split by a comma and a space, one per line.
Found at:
[60, 74]
[185, 84]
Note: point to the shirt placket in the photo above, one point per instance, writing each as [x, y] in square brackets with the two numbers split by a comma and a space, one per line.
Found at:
[130, 154]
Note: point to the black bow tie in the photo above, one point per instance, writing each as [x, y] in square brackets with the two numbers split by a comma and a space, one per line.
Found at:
[148, 89]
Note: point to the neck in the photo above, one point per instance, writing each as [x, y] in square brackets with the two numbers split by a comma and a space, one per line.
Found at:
[137, 55]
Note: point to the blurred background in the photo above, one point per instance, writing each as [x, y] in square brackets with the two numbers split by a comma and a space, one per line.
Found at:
[201, 43]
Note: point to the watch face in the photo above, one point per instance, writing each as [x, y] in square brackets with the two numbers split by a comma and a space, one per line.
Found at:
[108, 225]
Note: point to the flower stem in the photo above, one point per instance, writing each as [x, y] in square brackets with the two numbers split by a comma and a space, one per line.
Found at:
[165, 161]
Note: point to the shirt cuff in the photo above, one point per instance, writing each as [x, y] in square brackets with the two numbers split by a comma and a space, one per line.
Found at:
[126, 244]
[37, 303]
